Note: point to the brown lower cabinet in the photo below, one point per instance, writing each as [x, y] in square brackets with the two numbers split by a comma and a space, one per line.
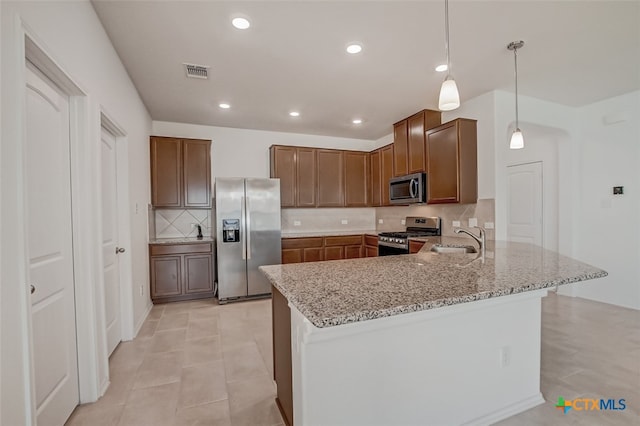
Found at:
[370, 246]
[415, 246]
[180, 271]
[281, 323]
[314, 249]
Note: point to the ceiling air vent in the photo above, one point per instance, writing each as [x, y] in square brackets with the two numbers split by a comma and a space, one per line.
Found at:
[197, 71]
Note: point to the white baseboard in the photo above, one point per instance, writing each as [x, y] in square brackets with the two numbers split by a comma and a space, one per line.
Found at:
[142, 320]
[508, 411]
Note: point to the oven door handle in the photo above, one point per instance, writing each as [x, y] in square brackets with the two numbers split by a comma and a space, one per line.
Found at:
[413, 188]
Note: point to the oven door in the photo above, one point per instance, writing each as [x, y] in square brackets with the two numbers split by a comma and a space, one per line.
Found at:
[390, 249]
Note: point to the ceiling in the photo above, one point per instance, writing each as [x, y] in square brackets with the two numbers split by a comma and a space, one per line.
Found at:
[293, 57]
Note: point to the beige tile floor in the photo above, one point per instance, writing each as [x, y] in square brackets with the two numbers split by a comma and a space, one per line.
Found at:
[199, 363]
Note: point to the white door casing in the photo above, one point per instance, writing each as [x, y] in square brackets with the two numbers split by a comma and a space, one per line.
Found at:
[524, 203]
[50, 249]
[111, 271]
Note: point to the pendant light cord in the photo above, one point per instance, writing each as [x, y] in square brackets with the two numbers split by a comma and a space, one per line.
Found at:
[446, 31]
[515, 61]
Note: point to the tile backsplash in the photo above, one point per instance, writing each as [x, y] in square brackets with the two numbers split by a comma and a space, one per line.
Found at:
[177, 223]
[328, 219]
[483, 211]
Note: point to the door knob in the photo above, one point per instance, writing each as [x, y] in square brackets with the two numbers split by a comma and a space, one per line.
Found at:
[33, 289]
[119, 250]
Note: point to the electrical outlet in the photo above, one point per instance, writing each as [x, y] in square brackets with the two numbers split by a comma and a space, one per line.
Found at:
[344, 222]
[505, 356]
[618, 190]
[194, 226]
[488, 225]
[473, 222]
[456, 224]
[297, 223]
[380, 221]
[403, 222]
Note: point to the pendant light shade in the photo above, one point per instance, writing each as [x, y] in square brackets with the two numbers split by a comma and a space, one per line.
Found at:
[517, 140]
[449, 96]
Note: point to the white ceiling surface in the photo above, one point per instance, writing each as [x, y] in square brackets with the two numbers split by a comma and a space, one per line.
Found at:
[293, 57]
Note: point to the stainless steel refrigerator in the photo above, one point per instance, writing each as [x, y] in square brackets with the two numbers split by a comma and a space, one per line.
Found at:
[247, 227]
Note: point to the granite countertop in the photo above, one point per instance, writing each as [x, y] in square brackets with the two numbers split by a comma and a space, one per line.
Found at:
[184, 240]
[339, 292]
[326, 234]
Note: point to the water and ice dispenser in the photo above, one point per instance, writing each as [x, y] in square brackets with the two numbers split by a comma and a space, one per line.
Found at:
[230, 230]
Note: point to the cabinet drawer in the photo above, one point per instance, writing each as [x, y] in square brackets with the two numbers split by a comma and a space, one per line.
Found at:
[291, 243]
[370, 240]
[164, 249]
[347, 240]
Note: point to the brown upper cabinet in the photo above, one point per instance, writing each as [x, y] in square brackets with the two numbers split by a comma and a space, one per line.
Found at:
[417, 124]
[180, 172]
[315, 177]
[400, 148]
[452, 162]
[356, 182]
[330, 172]
[381, 171]
[409, 142]
[375, 177]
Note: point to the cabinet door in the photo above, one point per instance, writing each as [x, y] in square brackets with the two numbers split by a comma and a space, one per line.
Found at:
[306, 177]
[376, 179]
[166, 276]
[330, 172]
[386, 165]
[166, 172]
[400, 148]
[198, 276]
[356, 175]
[352, 252]
[442, 154]
[196, 155]
[291, 256]
[283, 167]
[416, 143]
[334, 253]
[371, 251]
[415, 246]
[452, 157]
[315, 254]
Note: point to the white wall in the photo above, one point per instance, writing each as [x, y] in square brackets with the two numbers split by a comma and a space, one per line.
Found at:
[609, 227]
[71, 34]
[245, 153]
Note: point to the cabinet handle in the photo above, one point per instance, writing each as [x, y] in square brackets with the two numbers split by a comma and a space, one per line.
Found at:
[243, 228]
[248, 228]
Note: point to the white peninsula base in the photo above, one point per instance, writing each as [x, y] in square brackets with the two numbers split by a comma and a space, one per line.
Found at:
[470, 363]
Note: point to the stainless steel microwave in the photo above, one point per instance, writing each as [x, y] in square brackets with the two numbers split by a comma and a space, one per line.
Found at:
[409, 189]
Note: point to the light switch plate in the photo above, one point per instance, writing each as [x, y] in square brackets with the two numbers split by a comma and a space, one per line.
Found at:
[473, 222]
[456, 224]
[403, 222]
[380, 221]
[344, 221]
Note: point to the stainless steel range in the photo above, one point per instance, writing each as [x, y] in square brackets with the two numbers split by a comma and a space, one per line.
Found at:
[392, 243]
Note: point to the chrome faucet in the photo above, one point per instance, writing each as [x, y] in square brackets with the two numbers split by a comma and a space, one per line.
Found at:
[479, 239]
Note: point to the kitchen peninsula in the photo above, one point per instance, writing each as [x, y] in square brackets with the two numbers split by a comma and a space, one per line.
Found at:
[414, 339]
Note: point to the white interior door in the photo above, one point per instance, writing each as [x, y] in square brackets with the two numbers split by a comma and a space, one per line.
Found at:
[110, 247]
[525, 203]
[49, 229]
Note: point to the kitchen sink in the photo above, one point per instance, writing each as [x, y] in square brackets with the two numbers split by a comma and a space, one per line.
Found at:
[453, 248]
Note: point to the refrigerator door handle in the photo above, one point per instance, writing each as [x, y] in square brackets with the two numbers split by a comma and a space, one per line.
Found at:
[247, 231]
[243, 218]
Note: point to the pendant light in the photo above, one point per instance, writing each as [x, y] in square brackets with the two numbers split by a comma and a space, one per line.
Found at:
[449, 96]
[517, 140]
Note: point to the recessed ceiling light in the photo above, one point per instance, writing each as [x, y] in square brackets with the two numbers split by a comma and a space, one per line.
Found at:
[224, 105]
[442, 68]
[357, 121]
[294, 114]
[241, 23]
[354, 48]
